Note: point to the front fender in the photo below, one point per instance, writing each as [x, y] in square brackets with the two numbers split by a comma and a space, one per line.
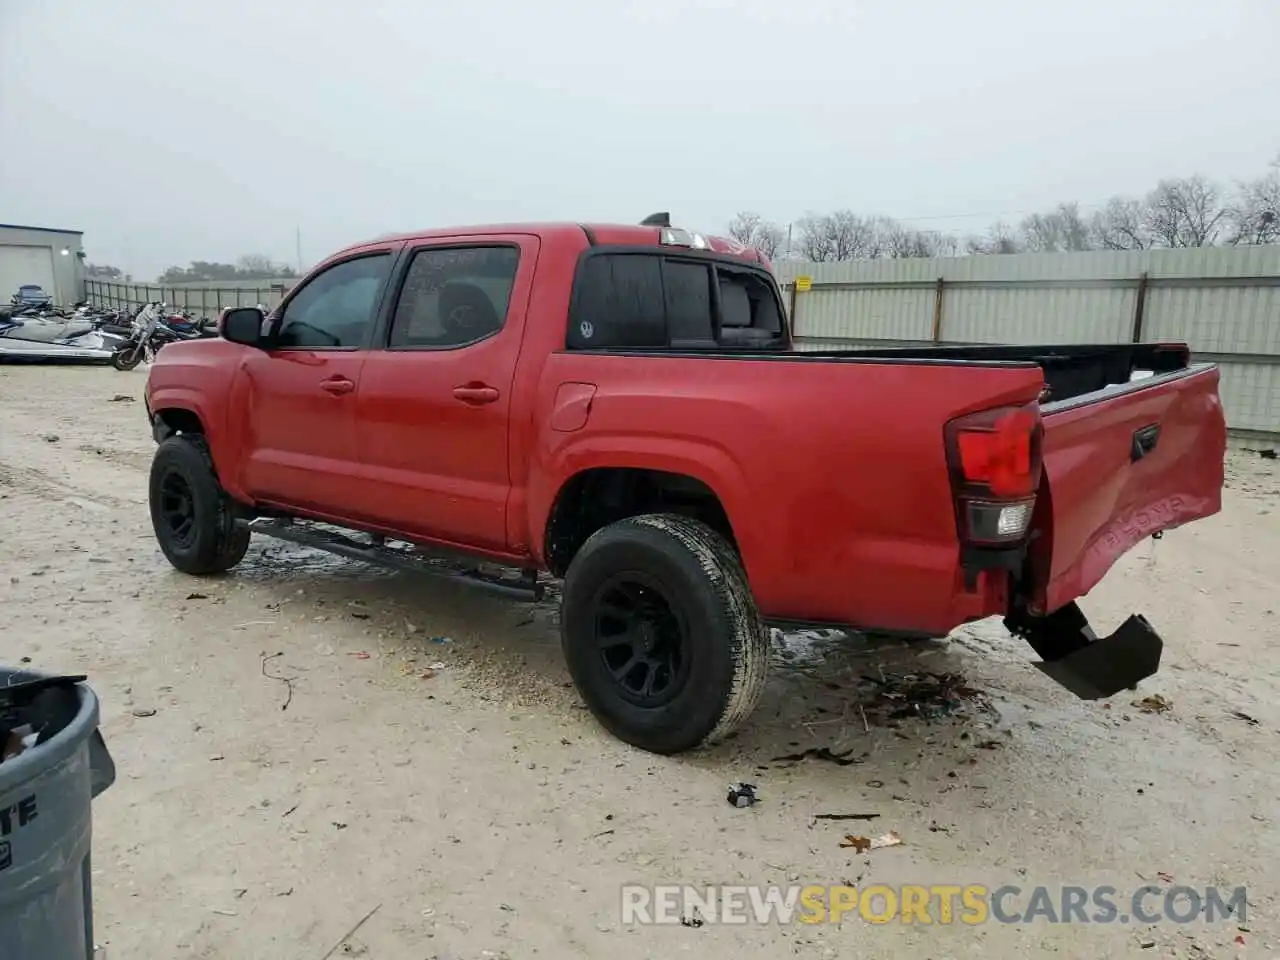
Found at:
[177, 397]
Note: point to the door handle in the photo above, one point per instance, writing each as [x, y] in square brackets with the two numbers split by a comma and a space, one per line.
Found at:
[476, 393]
[1144, 441]
[337, 385]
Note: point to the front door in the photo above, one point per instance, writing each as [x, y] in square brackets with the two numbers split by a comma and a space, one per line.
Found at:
[434, 405]
[296, 400]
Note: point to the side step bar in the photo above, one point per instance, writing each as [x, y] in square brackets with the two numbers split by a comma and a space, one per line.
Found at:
[1090, 667]
[525, 586]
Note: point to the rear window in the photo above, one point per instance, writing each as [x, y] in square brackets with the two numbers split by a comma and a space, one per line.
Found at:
[639, 300]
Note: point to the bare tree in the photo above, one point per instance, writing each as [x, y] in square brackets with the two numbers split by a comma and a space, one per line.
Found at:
[999, 238]
[898, 242]
[1060, 230]
[753, 230]
[1119, 226]
[743, 226]
[1186, 212]
[769, 239]
[258, 264]
[1255, 217]
[840, 235]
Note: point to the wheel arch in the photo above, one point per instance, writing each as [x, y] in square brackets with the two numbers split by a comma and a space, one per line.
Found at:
[605, 490]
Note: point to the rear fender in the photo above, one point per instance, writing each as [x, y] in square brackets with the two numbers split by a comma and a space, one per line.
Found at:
[704, 462]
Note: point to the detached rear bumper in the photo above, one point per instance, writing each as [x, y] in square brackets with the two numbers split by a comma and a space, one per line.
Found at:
[1091, 667]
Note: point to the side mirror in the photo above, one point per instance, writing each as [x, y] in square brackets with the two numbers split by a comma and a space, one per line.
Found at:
[242, 325]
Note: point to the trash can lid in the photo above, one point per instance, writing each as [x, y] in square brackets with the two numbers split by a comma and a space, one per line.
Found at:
[43, 720]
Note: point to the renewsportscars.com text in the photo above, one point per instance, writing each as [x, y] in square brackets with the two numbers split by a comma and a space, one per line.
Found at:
[969, 904]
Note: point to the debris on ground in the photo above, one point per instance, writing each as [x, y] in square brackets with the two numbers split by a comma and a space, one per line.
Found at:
[1154, 704]
[863, 844]
[359, 654]
[121, 398]
[144, 712]
[287, 681]
[197, 596]
[350, 933]
[440, 640]
[438, 665]
[694, 921]
[743, 795]
[845, 816]
[820, 753]
[1251, 721]
[51, 438]
[925, 695]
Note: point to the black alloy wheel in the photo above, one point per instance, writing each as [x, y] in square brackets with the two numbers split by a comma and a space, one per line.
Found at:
[642, 639]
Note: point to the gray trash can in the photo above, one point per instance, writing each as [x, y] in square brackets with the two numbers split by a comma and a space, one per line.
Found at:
[46, 902]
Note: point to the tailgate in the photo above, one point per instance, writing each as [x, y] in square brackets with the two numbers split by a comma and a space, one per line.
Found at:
[1122, 464]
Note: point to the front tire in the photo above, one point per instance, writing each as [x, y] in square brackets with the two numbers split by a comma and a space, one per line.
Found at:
[126, 358]
[191, 514]
[661, 633]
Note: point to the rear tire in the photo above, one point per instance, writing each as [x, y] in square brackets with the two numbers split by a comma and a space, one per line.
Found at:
[193, 518]
[661, 633]
[126, 358]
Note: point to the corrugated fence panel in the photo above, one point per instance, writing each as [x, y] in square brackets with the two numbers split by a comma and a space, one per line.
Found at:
[1251, 395]
[1216, 319]
[987, 314]
[1224, 302]
[875, 313]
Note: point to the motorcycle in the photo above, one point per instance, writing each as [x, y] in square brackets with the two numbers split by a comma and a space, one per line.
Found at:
[152, 328]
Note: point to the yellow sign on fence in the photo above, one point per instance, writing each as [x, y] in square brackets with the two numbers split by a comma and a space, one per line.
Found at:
[804, 284]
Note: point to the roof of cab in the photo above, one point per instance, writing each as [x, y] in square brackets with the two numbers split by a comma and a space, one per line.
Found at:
[604, 234]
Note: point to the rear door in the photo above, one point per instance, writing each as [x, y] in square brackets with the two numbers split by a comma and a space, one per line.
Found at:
[434, 403]
[298, 398]
[1121, 464]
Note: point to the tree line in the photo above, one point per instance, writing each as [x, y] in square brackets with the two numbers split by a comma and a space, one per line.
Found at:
[1181, 212]
[252, 266]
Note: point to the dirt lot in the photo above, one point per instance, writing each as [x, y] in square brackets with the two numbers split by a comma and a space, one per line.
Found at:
[479, 809]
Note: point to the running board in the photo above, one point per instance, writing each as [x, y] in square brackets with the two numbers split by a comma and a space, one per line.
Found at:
[522, 587]
[1091, 667]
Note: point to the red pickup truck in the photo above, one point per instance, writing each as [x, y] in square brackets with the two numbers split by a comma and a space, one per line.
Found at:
[621, 408]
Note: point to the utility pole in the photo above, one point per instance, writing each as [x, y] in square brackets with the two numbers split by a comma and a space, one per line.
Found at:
[297, 238]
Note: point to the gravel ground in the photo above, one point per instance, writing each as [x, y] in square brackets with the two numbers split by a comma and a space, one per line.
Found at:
[460, 790]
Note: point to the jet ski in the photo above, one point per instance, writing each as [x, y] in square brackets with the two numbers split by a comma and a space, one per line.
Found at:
[43, 339]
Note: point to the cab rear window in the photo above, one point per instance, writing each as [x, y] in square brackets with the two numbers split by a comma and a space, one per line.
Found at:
[639, 300]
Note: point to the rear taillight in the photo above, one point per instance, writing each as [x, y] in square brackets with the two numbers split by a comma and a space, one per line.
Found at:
[994, 458]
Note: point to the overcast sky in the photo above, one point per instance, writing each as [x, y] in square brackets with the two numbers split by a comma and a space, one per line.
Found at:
[177, 131]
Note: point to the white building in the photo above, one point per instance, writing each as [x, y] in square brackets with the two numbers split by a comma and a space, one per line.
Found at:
[54, 259]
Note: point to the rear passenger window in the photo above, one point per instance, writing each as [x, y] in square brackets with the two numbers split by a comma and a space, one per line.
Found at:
[619, 303]
[749, 313]
[688, 302]
[454, 296]
[643, 300]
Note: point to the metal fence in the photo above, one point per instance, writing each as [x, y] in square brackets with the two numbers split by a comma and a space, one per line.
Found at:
[203, 301]
[1224, 302]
